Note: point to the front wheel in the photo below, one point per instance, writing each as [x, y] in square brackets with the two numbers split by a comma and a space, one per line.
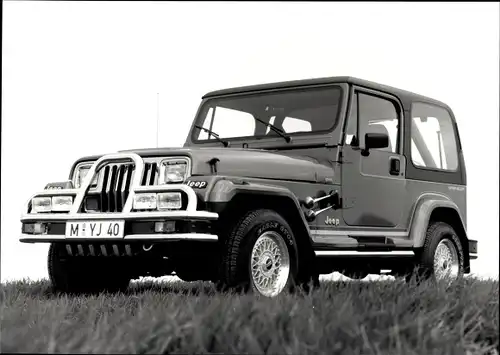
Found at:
[77, 275]
[270, 264]
[260, 255]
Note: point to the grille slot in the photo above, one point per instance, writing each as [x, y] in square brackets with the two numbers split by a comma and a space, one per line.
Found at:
[150, 176]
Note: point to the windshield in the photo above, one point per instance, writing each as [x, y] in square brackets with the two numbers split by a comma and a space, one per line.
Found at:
[294, 112]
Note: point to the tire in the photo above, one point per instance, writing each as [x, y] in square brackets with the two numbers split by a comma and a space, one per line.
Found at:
[260, 255]
[81, 274]
[442, 256]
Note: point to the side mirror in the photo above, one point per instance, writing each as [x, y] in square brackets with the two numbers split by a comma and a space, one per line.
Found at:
[375, 141]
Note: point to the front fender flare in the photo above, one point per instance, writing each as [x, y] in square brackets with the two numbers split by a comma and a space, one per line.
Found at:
[226, 189]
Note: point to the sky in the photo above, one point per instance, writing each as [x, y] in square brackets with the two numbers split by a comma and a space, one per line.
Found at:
[81, 78]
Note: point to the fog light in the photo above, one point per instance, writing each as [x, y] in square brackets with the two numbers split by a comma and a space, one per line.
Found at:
[40, 228]
[145, 201]
[35, 228]
[62, 203]
[169, 201]
[165, 227]
[41, 204]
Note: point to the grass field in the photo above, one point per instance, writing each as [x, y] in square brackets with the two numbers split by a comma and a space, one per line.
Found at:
[384, 317]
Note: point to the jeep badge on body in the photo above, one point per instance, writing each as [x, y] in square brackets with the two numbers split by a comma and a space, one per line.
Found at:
[275, 185]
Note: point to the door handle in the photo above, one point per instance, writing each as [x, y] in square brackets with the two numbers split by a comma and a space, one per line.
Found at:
[394, 166]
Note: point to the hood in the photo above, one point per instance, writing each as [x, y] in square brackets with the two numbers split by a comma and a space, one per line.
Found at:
[256, 163]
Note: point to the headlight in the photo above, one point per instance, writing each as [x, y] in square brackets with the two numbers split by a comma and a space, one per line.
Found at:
[62, 203]
[169, 201]
[41, 204]
[48, 204]
[80, 174]
[160, 201]
[174, 170]
[145, 201]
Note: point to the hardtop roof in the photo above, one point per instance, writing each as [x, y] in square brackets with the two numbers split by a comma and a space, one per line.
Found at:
[403, 95]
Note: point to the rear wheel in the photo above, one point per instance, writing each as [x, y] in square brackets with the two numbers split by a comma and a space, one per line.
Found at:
[442, 257]
[260, 255]
[83, 274]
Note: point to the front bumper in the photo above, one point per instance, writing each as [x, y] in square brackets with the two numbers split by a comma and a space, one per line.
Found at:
[145, 238]
[193, 224]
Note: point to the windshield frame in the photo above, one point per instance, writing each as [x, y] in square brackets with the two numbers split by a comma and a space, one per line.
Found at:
[322, 135]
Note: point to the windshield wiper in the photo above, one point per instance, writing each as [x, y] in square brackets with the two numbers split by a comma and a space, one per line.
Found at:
[215, 135]
[288, 139]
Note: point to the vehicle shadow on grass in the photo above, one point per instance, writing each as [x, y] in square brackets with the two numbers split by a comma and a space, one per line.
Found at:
[196, 288]
[199, 288]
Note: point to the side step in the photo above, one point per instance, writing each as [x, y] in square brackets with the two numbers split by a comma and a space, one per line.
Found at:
[361, 244]
[356, 253]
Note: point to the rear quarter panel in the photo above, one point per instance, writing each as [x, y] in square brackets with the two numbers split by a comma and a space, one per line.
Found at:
[423, 198]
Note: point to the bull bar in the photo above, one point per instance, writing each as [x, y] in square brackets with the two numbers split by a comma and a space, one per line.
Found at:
[190, 213]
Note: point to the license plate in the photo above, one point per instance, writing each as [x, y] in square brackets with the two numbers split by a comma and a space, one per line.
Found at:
[88, 229]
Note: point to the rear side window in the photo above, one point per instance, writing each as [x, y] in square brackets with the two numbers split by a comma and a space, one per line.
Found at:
[433, 143]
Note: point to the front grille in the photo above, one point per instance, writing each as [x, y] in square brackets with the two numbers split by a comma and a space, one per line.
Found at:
[111, 193]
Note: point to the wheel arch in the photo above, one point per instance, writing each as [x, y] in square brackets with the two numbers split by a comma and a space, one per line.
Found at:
[433, 208]
[234, 198]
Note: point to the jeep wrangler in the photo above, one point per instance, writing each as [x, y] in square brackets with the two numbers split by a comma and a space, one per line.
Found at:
[275, 185]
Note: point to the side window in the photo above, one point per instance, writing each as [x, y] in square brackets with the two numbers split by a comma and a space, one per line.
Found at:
[433, 143]
[378, 115]
[415, 155]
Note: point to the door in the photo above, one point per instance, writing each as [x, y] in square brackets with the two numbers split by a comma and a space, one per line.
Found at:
[373, 182]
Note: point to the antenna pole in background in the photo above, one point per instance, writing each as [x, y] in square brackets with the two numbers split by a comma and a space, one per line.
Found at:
[157, 116]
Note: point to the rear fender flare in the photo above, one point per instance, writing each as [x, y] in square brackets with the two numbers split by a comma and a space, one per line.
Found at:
[425, 206]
